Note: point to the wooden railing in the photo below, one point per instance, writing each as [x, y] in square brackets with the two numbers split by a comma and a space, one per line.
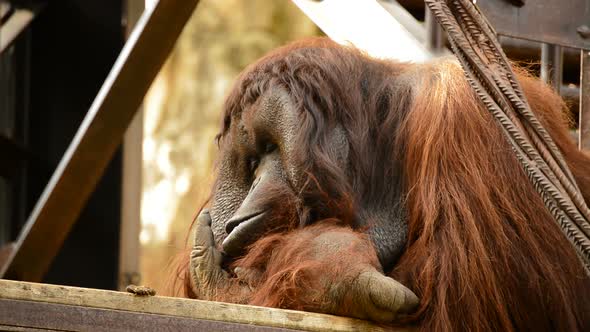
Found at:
[26, 306]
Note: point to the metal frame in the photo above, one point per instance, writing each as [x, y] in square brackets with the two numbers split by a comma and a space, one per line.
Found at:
[584, 116]
[435, 39]
[129, 246]
[552, 65]
[365, 24]
[15, 21]
[97, 139]
[538, 21]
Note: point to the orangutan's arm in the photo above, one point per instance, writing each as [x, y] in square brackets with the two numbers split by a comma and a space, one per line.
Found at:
[320, 268]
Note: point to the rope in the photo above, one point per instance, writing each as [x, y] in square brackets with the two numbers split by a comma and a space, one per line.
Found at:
[489, 73]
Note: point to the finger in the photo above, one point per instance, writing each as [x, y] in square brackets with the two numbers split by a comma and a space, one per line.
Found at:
[203, 253]
[203, 234]
[250, 276]
[207, 276]
[387, 297]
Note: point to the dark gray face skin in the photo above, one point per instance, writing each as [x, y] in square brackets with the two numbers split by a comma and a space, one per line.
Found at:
[257, 157]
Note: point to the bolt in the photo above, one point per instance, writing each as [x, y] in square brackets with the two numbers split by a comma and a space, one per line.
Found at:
[518, 3]
[584, 31]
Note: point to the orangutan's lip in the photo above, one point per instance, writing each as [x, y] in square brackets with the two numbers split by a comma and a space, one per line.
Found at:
[241, 232]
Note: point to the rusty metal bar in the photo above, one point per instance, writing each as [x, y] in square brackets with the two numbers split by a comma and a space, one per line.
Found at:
[552, 65]
[97, 138]
[129, 246]
[409, 22]
[355, 19]
[435, 40]
[584, 130]
[16, 23]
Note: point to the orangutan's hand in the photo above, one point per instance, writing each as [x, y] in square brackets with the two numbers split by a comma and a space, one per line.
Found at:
[332, 270]
[359, 289]
[208, 279]
[373, 296]
[323, 268]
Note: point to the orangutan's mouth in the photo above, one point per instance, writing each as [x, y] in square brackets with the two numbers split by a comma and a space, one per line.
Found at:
[242, 232]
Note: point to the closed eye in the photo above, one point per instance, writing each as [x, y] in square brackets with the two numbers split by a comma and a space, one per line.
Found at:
[269, 147]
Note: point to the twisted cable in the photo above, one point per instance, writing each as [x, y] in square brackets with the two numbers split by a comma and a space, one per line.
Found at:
[474, 42]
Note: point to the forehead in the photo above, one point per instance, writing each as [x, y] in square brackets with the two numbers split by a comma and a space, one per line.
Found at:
[272, 111]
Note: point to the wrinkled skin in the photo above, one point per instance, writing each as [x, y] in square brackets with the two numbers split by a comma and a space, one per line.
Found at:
[257, 191]
[256, 160]
[260, 158]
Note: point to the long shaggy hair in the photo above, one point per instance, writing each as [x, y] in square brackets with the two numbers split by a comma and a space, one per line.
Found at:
[483, 253]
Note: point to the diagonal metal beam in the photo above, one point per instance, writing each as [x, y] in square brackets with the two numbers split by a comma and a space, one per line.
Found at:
[14, 21]
[366, 24]
[98, 137]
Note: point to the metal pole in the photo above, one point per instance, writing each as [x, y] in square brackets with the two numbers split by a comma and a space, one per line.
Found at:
[129, 246]
[552, 65]
[98, 137]
[584, 130]
[434, 33]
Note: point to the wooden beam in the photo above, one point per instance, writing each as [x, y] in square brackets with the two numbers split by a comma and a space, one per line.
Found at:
[97, 138]
[57, 317]
[41, 306]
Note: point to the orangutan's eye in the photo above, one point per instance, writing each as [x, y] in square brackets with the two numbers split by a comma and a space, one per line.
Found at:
[269, 147]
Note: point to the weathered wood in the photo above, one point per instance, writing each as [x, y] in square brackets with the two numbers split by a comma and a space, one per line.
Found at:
[172, 308]
[60, 317]
[22, 329]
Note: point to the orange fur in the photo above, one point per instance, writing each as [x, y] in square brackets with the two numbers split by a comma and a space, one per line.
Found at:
[483, 253]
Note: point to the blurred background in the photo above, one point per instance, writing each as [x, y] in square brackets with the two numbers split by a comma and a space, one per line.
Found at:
[55, 56]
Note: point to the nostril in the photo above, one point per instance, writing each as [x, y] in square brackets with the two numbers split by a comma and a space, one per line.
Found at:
[238, 219]
[231, 224]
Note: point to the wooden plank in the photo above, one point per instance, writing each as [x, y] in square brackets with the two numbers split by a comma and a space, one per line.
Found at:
[59, 317]
[97, 138]
[22, 329]
[181, 308]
